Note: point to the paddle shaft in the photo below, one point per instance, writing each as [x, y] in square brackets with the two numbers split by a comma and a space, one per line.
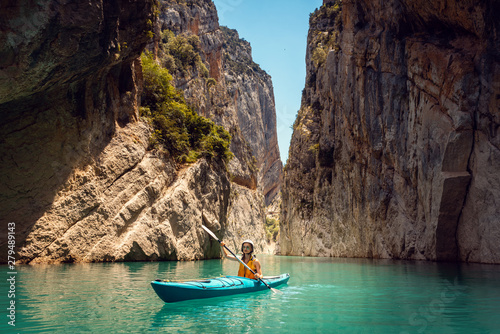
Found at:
[230, 251]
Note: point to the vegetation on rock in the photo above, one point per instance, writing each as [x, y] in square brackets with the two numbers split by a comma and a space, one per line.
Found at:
[272, 228]
[181, 53]
[328, 39]
[238, 62]
[178, 128]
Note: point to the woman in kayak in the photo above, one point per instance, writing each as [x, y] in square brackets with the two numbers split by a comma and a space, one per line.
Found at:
[249, 259]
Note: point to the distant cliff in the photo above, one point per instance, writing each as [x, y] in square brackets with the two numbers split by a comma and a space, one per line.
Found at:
[79, 176]
[235, 92]
[252, 90]
[395, 151]
[232, 90]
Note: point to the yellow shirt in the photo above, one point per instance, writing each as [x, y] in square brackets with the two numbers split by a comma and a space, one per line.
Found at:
[244, 272]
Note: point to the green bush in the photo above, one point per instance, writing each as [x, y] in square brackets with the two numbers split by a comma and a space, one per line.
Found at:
[178, 128]
[203, 70]
[272, 228]
[218, 142]
[319, 55]
[181, 53]
[314, 148]
[330, 10]
[330, 15]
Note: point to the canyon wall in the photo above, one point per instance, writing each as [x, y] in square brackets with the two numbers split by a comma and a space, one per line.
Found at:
[78, 176]
[395, 151]
[241, 98]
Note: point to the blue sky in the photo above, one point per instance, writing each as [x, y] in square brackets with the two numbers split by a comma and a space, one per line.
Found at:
[277, 31]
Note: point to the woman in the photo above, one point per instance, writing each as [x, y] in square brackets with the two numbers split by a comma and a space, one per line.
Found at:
[248, 258]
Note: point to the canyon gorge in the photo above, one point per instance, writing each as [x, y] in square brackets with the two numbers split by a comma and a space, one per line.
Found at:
[395, 150]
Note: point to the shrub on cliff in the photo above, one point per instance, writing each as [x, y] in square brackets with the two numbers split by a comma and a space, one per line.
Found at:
[236, 58]
[272, 228]
[319, 55]
[325, 39]
[178, 128]
[330, 10]
[181, 53]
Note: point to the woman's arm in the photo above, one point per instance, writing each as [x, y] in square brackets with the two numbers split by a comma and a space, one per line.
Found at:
[258, 269]
[228, 256]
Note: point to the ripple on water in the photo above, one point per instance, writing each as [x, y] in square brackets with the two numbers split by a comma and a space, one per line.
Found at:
[346, 295]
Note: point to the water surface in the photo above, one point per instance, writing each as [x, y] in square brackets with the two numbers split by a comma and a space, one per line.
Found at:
[323, 296]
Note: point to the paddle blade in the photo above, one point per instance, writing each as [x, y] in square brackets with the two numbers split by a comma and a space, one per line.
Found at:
[276, 291]
[210, 232]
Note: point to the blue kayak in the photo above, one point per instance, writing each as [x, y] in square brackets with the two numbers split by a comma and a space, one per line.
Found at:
[171, 292]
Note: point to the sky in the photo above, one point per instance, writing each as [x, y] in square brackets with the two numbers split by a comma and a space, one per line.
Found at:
[277, 31]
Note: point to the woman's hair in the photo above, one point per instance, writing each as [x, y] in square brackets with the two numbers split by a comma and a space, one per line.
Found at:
[251, 256]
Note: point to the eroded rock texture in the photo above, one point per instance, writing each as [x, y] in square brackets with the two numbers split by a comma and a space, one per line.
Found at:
[241, 98]
[395, 151]
[77, 177]
[66, 87]
[236, 94]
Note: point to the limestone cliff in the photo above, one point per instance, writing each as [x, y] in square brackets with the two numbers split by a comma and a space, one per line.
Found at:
[67, 85]
[251, 89]
[395, 152]
[234, 92]
[77, 174]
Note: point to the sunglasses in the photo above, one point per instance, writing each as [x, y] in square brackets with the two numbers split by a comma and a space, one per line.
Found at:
[247, 247]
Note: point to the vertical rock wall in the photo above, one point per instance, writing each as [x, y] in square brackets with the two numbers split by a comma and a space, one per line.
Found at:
[395, 152]
[242, 99]
[251, 89]
[77, 177]
[67, 85]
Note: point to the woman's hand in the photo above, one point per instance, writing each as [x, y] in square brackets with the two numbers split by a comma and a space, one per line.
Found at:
[222, 244]
[257, 276]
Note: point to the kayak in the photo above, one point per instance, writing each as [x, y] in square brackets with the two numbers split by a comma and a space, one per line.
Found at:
[171, 292]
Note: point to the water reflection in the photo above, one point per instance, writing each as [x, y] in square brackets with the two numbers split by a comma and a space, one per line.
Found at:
[240, 313]
[346, 294]
[76, 297]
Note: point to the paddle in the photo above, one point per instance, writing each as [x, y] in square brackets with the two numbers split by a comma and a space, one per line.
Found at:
[243, 263]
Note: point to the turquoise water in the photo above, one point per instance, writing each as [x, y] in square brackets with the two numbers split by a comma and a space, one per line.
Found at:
[323, 296]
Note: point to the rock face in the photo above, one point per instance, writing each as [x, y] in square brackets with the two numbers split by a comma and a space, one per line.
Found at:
[131, 205]
[241, 99]
[66, 87]
[395, 152]
[77, 178]
[251, 89]
[238, 95]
